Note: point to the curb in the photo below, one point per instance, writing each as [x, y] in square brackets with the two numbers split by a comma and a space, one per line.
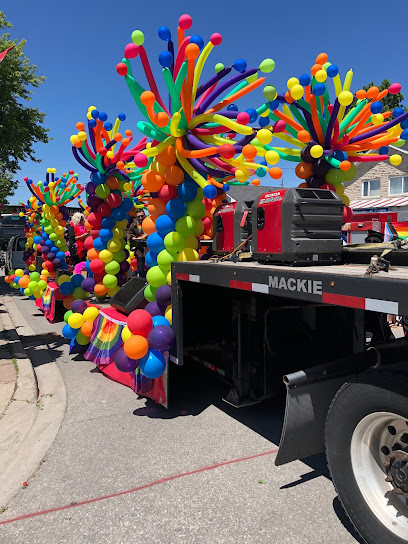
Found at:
[28, 428]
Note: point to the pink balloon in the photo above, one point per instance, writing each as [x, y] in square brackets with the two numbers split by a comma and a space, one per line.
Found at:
[279, 126]
[243, 118]
[185, 21]
[216, 38]
[167, 192]
[141, 160]
[394, 88]
[131, 51]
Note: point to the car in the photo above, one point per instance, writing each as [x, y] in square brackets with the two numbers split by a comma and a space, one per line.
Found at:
[15, 252]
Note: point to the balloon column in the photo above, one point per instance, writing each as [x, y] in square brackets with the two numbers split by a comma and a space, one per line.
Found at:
[54, 194]
[195, 137]
[104, 152]
[79, 322]
[328, 136]
[32, 226]
[31, 285]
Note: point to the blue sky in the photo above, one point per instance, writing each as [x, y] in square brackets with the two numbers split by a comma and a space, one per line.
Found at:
[77, 45]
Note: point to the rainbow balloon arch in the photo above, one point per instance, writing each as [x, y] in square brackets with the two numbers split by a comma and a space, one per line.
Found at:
[196, 143]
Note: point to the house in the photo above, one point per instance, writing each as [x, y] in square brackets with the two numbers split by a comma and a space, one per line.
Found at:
[380, 187]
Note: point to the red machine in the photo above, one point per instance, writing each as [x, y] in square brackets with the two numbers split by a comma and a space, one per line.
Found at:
[232, 226]
[297, 226]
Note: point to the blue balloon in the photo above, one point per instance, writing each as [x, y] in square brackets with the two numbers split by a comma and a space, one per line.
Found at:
[159, 320]
[97, 178]
[252, 115]
[153, 364]
[22, 290]
[105, 235]
[264, 122]
[92, 123]
[55, 250]
[261, 172]
[37, 239]
[103, 116]
[240, 65]
[397, 112]
[304, 80]
[225, 187]
[383, 150]
[107, 125]
[187, 191]
[66, 288]
[99, 244]
[118, 214]
[165, 224]
[404, 123]
[87, 264]
[404, 134]
[332, 70]
[274, 104]
[376, 107]
[340, 155]
[198, 41]
[319, 89]
[210, 191]
[127, 204]
[68, 332]
[164, 33]
[122, 117]
[166, 59]
[151, 259]
[176, 208]
[108, 223]
[232, 107]
[76, 280]
[95, 114]
[155, 242]
[60, 255]
[49, 243]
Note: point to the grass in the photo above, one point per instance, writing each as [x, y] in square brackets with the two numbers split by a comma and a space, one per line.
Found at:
[3, 509]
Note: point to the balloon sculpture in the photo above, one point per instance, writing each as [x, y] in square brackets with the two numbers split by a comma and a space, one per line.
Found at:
[32, 227]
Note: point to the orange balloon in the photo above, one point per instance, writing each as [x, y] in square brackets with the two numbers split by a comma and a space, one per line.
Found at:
[86, 328]
[152, 181]
[372, 92]
[67, 301]
[132, 212]
[63, 223]
[24, 281]
[275, 172]
[54, 210]
[156, 207]
[288, 97]
[345, 165]
[167, 157]
[256, 182]
[92, 254]
[210, 232]
[303, 136]
[315, 68]
[52, 274]
[322, 58]
[88, 226]
[173, 175]
[302, 185]
[112, 183]
[7, 279]
[361, 94]
[303, 170]
[249, 151]
[44, 278]
[136, 346]
[148, 226]
[100, 289]
[59, 216]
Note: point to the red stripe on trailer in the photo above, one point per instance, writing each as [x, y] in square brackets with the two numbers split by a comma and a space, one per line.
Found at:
[344, 300]
[245, 285]
[180, 276]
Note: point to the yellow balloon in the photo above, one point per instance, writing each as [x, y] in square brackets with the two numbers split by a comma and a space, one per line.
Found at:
[345, 98]
[321, 76]
[241, 174]
[395, 160]
[126, 333]
[169, 278]
[75, 320]
[296, 92]
[264, 136]
[292, 82]
[105, 256]
[316, 151]
[345, 199]
[272, 157]
[377, 118]
[168, 314]
[188, 254]
[91, 313]
[61, 279]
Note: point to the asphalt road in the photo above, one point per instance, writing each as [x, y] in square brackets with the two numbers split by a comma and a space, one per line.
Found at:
[123, 470]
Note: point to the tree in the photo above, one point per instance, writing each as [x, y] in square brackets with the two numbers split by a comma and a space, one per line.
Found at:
[20, 125]
[390, 101]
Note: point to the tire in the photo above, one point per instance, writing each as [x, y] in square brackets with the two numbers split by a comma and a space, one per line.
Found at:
[362, 414]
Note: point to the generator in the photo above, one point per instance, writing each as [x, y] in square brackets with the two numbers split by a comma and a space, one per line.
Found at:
[297, 226]
[232, 225]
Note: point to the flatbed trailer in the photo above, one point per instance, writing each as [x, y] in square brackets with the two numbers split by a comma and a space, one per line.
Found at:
[322, 332]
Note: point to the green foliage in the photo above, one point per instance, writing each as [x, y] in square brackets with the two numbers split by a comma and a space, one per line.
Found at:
[20, 125]
[390, 101]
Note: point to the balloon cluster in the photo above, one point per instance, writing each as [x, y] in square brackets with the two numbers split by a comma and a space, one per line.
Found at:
[330, 135]
[103, 151]
[79, 321]
[70, 289]
[31, 285]
[32, 226]
[146, 335]
[53, 195]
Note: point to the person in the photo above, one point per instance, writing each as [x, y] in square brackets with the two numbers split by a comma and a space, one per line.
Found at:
[135, 236]
[76, 234]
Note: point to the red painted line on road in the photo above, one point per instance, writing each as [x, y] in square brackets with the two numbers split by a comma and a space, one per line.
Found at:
[139, 488]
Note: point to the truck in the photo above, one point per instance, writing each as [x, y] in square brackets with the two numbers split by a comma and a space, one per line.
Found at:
[321, 332]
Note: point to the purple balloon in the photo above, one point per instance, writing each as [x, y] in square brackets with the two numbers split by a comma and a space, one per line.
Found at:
[163, 295]
[56, 262]
[45, 250]
[51, 256]
[93, 201]
[124, 266]
[161, 338]
[125, 363]
[121, 278]
[90, 188]
[79, 306]
[88, 285]
[154, 308]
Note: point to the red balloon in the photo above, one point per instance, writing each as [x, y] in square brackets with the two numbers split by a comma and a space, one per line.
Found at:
[94, 233]
[49, 265]
[207, 223]
[88, 243]
[114, 200]
[140, 322]
[94, 219]
[96, 265]
[58, 295]
[167, 192]
[226, 151]
[347, 214]
[104, 209]
[98, 277]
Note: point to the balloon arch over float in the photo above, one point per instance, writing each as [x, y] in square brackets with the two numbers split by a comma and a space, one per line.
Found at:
[195, 144]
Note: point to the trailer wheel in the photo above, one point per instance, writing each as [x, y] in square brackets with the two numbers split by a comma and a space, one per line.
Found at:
[367, 454]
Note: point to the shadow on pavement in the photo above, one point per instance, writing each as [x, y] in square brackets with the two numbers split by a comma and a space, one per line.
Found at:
[43, 348]
[344, 520]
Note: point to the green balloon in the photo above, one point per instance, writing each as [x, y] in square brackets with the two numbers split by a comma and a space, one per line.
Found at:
[82, 339]
[174, 241]
[53, 237]
[351, 173]
[67, 314]
[33, 286]
[199, 229]
[109, 281]
[79, 293]
[112, 268]
[165, 258]
[156, 276]
[186, 226]
[27, 292]
[48, 229]
[218, 67]
[35, 276]
[42, 284]
[267, 65]
[196, 209]
[270, 93]
[102, 191]
[150, 293]
[334, 176]
[119, 256]
[138, 37]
